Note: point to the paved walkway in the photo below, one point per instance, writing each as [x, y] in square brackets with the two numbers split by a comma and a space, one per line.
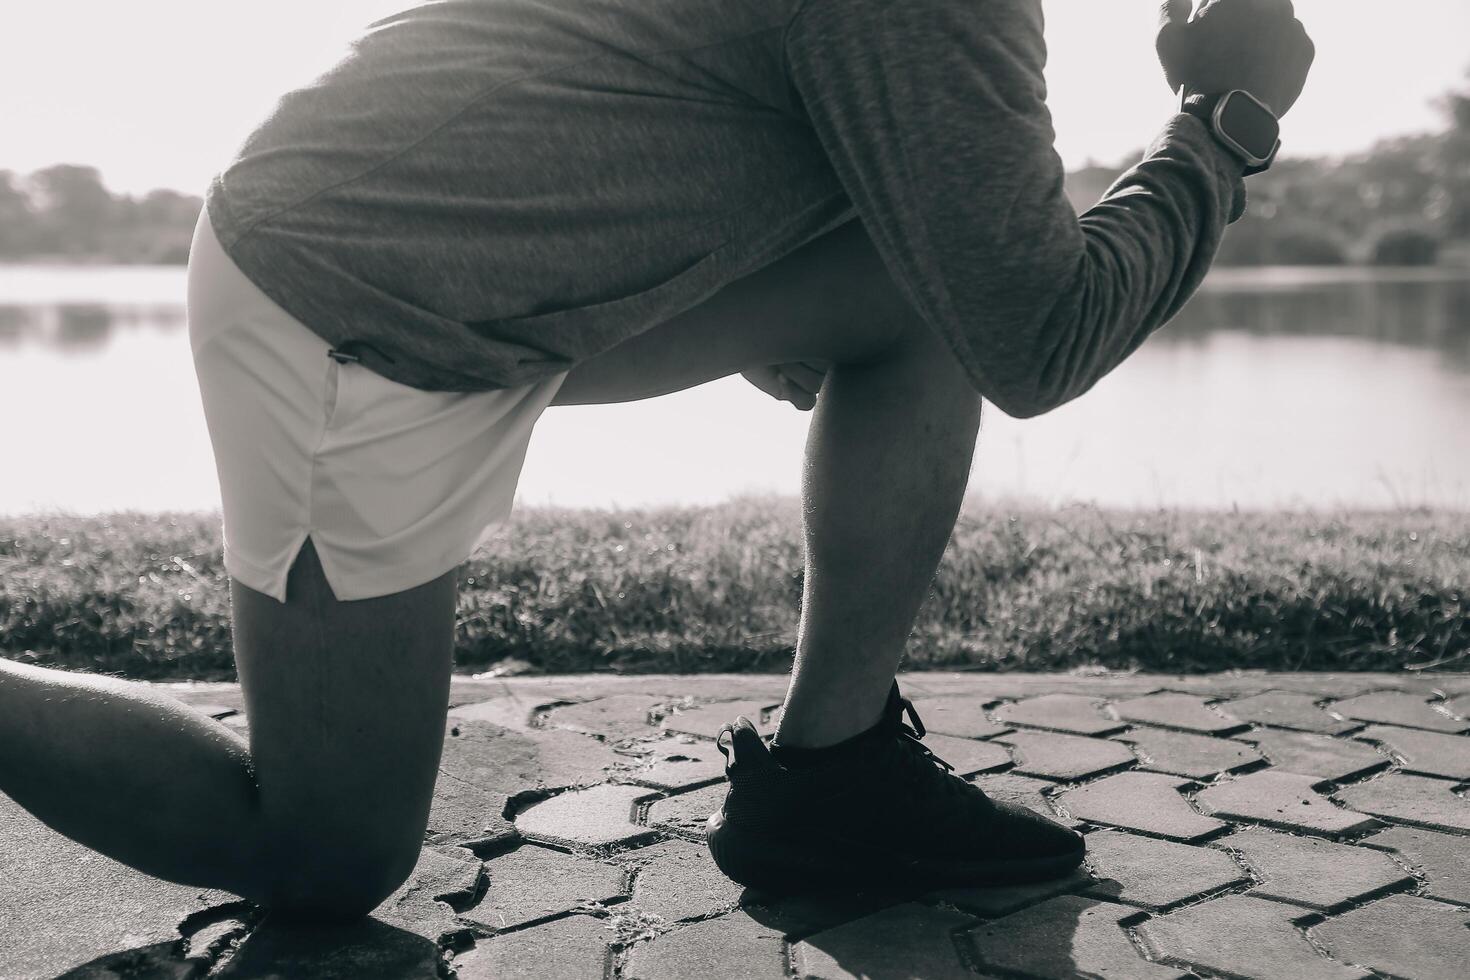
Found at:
[1247, 825]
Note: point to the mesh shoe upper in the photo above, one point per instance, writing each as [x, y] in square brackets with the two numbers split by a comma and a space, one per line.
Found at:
[890, 791]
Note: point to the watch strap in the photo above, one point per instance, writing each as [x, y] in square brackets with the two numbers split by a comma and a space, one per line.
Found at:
[1202, 105]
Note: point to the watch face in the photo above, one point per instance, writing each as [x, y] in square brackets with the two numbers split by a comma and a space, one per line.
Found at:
[1249, 124]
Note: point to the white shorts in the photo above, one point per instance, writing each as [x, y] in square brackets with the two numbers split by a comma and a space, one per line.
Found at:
[394, 485]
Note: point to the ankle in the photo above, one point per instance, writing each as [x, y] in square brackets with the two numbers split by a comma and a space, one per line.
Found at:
[815, 738]
[849, 751]
[835, 733]
[821, 723]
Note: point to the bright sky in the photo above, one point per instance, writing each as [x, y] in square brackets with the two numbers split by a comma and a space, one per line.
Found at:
[159, 92]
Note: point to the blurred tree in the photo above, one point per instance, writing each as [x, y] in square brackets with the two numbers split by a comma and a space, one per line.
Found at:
[163, 208]
[1397, 203]
[1457, 107]
[163, 225]
[1404, 245]
[66, 211]
[17, 223]
[73, 209]
[1453, 164]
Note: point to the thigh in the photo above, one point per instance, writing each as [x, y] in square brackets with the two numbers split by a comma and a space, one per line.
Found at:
[346, 703]
[830, 300]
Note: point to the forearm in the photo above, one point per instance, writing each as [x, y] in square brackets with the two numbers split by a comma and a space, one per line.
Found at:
[1146, 246]
[933, 115]
[1123, 270]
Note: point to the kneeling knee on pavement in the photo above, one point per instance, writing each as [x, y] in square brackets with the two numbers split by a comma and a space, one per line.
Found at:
[336, 875]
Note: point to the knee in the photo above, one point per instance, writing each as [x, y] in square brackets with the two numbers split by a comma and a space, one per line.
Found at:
[337, 878]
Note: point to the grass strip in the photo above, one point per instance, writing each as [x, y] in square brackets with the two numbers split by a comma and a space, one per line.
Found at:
[695, 589]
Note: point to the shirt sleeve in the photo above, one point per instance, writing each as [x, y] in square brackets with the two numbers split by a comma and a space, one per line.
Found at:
[933, 114]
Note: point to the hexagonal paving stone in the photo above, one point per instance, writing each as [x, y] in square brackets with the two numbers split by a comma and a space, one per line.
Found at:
[533, 883]
[1156, 873]
[1281, 709]
[1169, 709]
[1186, 754]
[904, 941]
[993, 900]
[466, 690]
[1315, 873]
[1402, 936]
[1410, 799]
[448, 873]
[1282, 799]
[960, 715]
[678, 880]
[462, 813]
[1144, 801]
[497, 760]
[967, 755]
[1023, 790]
[509, 711]
[1242, 937]
[1443, 859]
[614, 718]
[1316, 755]
[1064, 937]
[1245, 683]
[1399, 708]
[1015, 686]
[443, 880]
[679, 763]
[599, 816]
[688, 811]
[733, 945]
[706, 720]
[1427, 753]
[573, 948]
[1066, 758]
[1060, 713]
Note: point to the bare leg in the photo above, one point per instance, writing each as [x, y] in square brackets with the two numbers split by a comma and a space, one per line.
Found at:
[131, 773]
[322, 816]
[887, 459]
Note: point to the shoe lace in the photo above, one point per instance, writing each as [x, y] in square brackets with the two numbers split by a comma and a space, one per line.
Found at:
[924, 768]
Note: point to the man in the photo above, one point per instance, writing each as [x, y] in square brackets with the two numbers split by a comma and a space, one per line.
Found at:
[489, 207]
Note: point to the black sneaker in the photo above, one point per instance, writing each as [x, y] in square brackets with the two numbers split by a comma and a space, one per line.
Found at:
[888, 813]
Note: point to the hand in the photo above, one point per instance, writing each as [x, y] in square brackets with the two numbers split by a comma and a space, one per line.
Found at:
[1255, 45]
[797, 382]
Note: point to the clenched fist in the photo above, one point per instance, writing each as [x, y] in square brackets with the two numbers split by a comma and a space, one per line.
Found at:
[1255, 45]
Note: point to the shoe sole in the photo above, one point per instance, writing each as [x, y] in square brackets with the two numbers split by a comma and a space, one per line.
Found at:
[776, 865]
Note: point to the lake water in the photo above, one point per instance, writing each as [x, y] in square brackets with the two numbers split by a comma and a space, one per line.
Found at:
[1299, 388]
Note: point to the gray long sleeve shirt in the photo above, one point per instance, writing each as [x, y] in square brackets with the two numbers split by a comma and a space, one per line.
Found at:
[485, 192]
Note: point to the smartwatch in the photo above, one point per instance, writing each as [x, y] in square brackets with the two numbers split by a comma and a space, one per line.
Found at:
[1243, 123]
